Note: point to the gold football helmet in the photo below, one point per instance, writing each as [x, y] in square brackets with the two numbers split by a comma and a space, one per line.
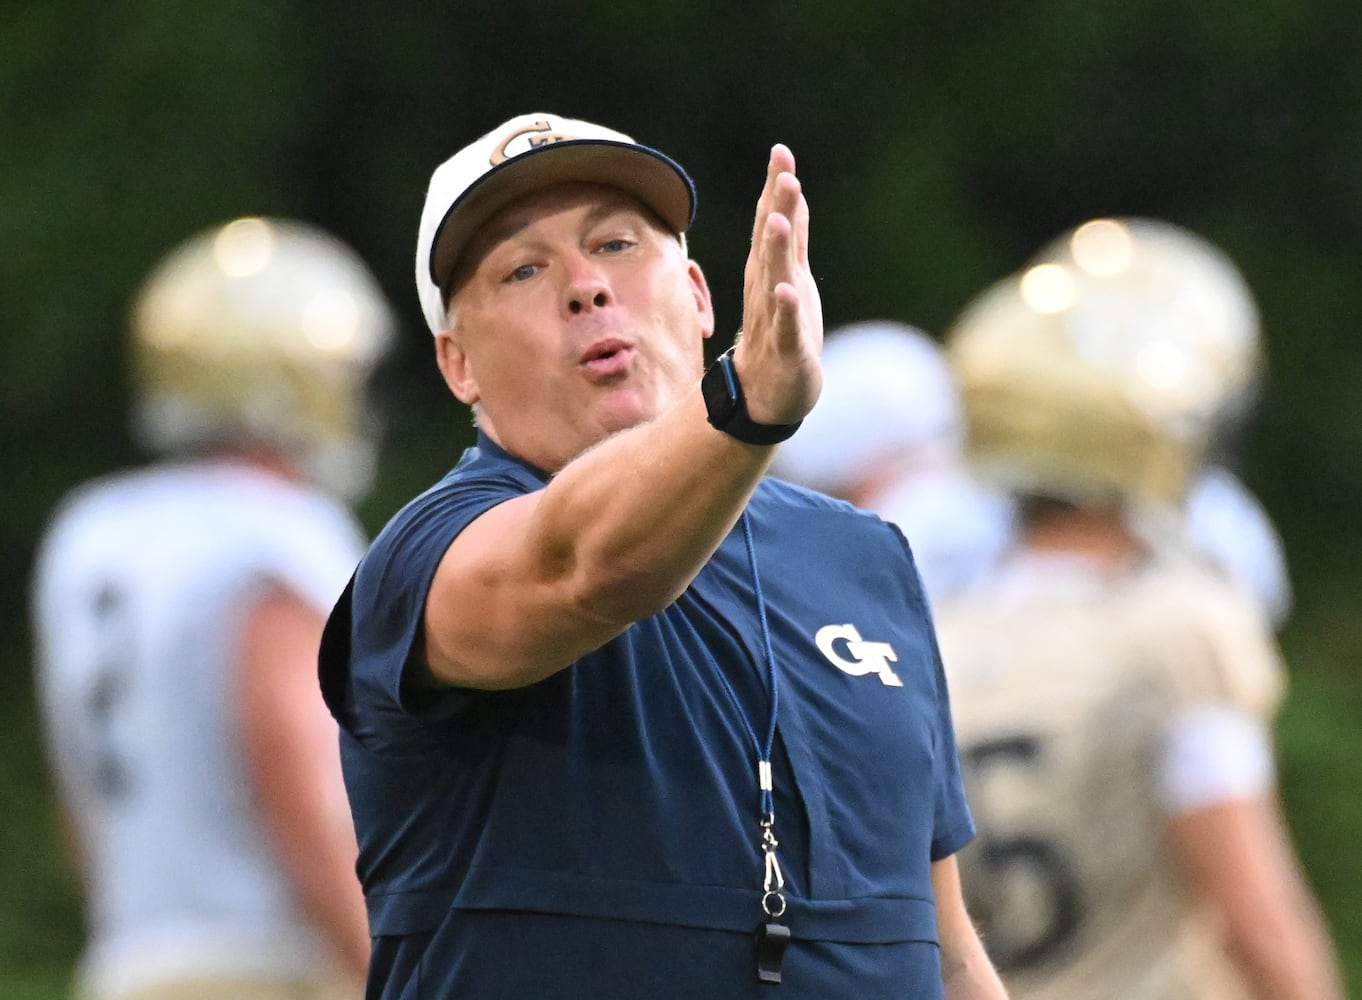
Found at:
[262, 332]
[1104, 369]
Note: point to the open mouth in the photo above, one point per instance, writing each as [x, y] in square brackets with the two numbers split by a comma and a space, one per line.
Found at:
[608, 357]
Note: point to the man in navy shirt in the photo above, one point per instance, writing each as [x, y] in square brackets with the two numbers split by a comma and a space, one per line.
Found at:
[621, 718]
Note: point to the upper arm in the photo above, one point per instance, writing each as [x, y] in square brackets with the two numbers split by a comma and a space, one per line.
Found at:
[505, 608]
[289, 740]
[1238, 859]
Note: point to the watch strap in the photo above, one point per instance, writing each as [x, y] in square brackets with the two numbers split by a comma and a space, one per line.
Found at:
[721, 382]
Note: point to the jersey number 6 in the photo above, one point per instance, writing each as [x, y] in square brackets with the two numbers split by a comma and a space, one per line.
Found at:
[1017, 868]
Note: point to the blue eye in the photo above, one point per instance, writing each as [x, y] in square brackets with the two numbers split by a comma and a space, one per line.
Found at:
[615, 246]
[523, 273]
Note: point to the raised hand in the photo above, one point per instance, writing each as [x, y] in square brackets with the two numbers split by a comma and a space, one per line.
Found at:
[782, 339]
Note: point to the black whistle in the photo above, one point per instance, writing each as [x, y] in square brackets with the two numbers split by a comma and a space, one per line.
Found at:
[771, 941]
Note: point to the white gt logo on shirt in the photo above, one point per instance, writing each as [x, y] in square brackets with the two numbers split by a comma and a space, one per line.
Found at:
[865, 657]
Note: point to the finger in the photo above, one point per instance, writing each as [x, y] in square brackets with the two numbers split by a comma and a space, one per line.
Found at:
[778, 260]
[764, 271]
[754, 270]
[797, 209]
[767, 198]
[786, 316]
[789, 195]
[783, 157]
[800, 222]
[777, 251]
[778, 272]
[780, 161]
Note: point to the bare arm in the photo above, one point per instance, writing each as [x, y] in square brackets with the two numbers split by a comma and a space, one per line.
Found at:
[621, 530]
[966, 970]
[291, 748]
[1238, 859]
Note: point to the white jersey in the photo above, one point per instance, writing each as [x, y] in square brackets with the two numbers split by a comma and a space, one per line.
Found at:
[139, 593]
[1065, 682]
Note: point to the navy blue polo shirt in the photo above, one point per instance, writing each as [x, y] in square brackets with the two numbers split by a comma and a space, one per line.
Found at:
[596, 833]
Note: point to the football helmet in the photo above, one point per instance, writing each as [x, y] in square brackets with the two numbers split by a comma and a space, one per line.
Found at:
[1105, 368]
[263, 331]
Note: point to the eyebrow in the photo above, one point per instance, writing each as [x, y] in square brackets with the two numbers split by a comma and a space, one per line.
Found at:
[510, 227]
[488, 238]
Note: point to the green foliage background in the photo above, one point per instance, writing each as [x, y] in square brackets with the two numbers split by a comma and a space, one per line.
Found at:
[940, 144]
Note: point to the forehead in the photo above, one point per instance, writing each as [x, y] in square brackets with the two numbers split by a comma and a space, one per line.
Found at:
[595, 201]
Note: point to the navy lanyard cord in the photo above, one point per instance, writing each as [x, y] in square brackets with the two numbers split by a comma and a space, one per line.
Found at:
[762, 747]
[771, 936]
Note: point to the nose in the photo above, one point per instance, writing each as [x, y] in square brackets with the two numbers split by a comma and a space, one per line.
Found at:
[586, 288]
[582, 303]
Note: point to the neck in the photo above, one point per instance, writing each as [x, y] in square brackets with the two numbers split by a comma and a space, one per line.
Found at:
[1097, 533]
[265, 459]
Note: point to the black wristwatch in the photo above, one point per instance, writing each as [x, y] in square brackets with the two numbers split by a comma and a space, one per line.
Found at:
[728, 409]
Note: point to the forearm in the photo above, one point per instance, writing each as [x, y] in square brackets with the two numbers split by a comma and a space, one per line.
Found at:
[633, 519]
[322, 874]
[303, 807]
[967, 972]
[289, 745]
[1284, 950]
[1239, 863]
[972, 979]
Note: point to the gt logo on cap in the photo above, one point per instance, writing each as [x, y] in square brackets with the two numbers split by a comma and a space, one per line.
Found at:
[541, 134]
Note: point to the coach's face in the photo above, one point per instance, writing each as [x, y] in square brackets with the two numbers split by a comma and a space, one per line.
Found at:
[576, 315]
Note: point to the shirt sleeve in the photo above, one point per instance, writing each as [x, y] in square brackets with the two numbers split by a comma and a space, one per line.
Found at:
[1214, 644]
[952, 827]
[1213, 753]
[373, 635]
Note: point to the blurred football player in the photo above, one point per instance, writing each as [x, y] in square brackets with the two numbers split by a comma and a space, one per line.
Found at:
[887, 435]
[178, 609]
[1113, 691]
[1223, 519]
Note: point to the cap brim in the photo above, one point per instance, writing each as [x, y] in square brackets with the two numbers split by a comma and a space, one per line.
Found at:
[652, 177]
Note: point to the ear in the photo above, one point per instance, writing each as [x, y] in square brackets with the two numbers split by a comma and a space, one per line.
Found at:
[704, 302]
[456, 368]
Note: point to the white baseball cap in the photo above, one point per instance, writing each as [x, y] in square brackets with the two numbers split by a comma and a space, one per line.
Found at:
[522, 155]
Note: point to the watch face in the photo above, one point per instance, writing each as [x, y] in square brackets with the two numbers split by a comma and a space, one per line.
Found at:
[720, 390]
